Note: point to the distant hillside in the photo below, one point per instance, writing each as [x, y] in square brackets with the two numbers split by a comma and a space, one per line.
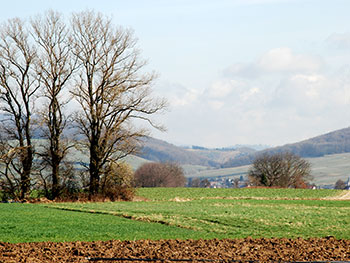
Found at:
[331, 143]
[221, 155]
[161, 151]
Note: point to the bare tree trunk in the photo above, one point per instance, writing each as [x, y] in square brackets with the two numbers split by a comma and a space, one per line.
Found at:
[27, 168]
[94, 167]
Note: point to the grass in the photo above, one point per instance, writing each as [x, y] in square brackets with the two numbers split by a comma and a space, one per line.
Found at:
[35, 223]
[163, 194]
[182, 213]
[240, 218]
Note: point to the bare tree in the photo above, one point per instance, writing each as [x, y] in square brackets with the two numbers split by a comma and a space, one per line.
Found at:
[111, 90]
[159, 175]
[18, 87]
[236, 182]
[280, 170]
[340, 184]
[195, 182]
[55, 68]
[205, 183]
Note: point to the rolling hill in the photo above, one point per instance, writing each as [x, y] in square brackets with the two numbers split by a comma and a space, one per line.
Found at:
[160, 151]
[329, 155]
[335, 142]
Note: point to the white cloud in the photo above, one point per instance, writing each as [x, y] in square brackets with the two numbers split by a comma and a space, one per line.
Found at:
[177, 94]
[222, 88]
[339, 40]
[242, 70]
[308, 95]
[249, 94]
[284, 60]
[289, 98]
[216, 104]
[276, 61]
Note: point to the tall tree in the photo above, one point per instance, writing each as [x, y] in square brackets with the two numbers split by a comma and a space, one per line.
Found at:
[18, 86]
[55, 69]
[111, 90]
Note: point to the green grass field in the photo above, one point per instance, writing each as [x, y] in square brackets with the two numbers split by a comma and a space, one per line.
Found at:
[183, 213]
[167, 194]
[35, 223]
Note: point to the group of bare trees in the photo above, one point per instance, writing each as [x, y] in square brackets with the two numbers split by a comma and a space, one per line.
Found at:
[54, 74]
[159, 175]
[285, 170]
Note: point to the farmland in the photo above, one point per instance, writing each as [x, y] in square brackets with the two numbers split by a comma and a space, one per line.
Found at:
[183, 213]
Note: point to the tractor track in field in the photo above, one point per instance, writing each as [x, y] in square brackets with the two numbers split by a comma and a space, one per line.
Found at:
[345, 195]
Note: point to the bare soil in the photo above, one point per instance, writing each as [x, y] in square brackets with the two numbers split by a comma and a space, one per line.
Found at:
[248, 249]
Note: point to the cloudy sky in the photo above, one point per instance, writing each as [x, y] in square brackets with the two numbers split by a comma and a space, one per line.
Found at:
[236, 71]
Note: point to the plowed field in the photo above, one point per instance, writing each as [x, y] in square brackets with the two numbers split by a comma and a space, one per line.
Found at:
[262, 250]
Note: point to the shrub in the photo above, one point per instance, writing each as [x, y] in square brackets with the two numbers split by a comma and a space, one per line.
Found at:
[117, 182]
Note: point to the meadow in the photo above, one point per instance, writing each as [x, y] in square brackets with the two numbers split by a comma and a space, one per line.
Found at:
[183, 213]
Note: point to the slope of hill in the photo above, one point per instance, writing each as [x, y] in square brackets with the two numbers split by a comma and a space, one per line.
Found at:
[331, 143]
[221, 156]
[161, 151]
[326, 170]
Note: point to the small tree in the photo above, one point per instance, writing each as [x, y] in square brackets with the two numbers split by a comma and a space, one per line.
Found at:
[340, 184]
[195, 182]
[280, 170]
[160, 175]
[236, 182]
[205, 183]
[117, 182]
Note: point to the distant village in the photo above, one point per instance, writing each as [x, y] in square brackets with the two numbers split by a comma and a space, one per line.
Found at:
[242, 182]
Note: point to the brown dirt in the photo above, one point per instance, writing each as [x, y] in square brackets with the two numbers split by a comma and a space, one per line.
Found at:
[262, 250]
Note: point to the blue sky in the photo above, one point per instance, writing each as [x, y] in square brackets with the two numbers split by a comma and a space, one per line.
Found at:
[239, 71]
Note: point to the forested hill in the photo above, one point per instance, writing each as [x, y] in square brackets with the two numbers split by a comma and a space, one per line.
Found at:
[161, 151]
[330, 143]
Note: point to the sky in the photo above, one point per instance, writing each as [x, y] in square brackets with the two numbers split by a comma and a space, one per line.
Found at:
[266, 72]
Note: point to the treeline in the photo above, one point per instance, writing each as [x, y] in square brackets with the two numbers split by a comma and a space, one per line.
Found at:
[55, 74]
